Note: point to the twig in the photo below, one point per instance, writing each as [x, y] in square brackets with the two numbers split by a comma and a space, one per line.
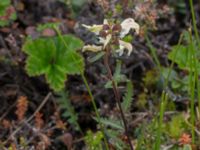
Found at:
[150, 113]
[7, 111]
[30, 118]
[40, 107]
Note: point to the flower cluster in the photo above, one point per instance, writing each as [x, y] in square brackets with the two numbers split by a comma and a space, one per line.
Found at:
[113, 34]
[185, 139]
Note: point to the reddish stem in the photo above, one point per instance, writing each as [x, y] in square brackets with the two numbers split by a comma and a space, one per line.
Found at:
[116, 93]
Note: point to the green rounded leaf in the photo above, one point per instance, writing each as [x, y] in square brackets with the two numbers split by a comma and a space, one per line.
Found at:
[55, 58]
[56, 77]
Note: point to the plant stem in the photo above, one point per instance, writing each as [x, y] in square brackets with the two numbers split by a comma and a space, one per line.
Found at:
[164, 98]
[193, 77]
[89, 92]
[116, 93]
[194, 22]
[95, 109]
[153, 51]
[198, 41]
[173, 62]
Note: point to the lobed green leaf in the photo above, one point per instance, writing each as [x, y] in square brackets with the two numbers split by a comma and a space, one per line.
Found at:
[54, 57]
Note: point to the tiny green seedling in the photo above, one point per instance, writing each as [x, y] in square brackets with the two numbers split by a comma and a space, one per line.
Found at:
[7, 13]
[54, 57]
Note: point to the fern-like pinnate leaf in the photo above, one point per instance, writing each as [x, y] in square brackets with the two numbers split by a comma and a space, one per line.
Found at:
[68, 110]
[113, 123]
[128, 97]
[55, 58]
[114, 128]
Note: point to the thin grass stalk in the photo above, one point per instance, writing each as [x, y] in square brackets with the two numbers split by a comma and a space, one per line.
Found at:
[193, 75]
[194, 22]
[172, 64]
[160, 123]
[198, 41]
[164, 98]
[153, 52]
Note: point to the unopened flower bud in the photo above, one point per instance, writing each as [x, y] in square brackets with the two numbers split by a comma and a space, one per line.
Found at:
[117, 28]
[106, 27]
[102, 33]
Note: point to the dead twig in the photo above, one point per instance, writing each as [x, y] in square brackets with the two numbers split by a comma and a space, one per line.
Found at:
[25, 121]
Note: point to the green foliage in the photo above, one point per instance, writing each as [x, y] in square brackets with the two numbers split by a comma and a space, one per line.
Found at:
[128, 97]
[176, 126]
[96, 57]
[7, 13]
[128, 38]
[115, 140]
[113, 123]
[68, 110]
[178, 83]
[187, 147]
[142, 100]
[48, 25]
[119, 8]
[151, 78]
[146, 135]
[180, 54]
[75, 5]
[179, 6]
[118, 76]
[114, 128]
[54, 58]
[94, 140]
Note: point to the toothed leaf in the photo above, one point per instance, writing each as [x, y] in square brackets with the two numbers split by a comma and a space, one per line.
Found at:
[55, 58]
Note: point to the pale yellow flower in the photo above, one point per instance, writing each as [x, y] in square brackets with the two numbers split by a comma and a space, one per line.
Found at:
[92, 48]
[126, 26]
[124, 45]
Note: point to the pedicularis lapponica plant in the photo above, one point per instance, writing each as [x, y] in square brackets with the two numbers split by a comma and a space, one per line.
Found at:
[111, 41]
[7, 13]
